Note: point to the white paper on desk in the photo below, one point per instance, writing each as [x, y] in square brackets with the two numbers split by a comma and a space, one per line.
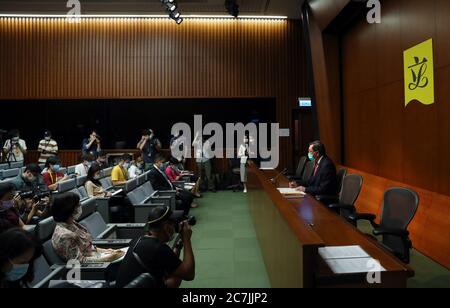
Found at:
[105, 254]
[354, 265]
[342, 252]
[290, 191]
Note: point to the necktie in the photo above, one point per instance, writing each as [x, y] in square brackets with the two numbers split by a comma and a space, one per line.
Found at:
[316, 167]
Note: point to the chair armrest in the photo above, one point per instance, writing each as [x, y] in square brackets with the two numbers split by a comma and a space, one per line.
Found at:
[179, 183]
[107, 233]
[167, 192]
[158, 199]
[57, 273]
[91, 271]
[387, 231]
[341, 206]
[128, 225]
[364, 216]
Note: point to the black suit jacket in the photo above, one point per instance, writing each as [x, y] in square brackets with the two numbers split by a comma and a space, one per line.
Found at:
[324, 182]
[159, 182]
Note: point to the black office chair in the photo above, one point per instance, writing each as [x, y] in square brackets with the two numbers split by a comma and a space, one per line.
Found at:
[297, 176]
[399, 208]
[351, 187]
[332, 199]
[143, 281]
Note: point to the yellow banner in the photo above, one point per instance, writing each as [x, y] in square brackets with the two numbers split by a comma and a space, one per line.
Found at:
[419, 73]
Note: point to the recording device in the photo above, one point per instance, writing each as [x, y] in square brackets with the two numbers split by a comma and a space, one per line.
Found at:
[273, 180]
[35, 196]
[191, 220]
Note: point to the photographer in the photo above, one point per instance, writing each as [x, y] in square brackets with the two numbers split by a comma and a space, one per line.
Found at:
[52, 177]
[151, 254]
[15, 148]
[47, 147]
[150, 146]
[9, 216]
[91, 145]
[34, 207]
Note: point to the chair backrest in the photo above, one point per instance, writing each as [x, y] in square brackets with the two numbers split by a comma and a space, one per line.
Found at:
[130, 185]
[63, 170]
[4, 166]
[351, 187]
[340, 175]
[41, 270]
[71, 170]
[67, 185]
[9, 173]
[106, 182]
[107, 171]
[308, 172]
[44, 229]
[148, 189]
[399, 208]
[140, 179]
[135, 197]
[16, 164]
[81, 180]
[83, 192]
[88, 206]
[50, 254]
[301, 166]
[95, 224]
[143, 281]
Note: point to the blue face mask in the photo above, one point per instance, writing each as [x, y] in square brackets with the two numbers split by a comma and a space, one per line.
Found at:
[6, 205]
[56, 168]
[18, 272]
[311, 156]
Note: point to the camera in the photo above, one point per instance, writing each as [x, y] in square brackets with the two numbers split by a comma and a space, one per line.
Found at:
[35, 196]
[189, 219]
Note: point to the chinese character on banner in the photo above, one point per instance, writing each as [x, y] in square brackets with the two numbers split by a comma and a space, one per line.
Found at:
[419, 73]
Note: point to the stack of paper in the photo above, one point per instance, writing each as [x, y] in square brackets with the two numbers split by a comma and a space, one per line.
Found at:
[349, 259]
[291, 193]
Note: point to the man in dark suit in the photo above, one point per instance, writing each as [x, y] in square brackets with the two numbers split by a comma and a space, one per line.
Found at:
[323, 180]
[160, 181]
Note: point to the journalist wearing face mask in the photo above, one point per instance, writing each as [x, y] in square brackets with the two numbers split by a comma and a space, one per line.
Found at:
[53, 176]
[119, 174]
[47, 147]
[18, 250]
[93, 185]
[71, 240]
[9, 215]
[29, 179]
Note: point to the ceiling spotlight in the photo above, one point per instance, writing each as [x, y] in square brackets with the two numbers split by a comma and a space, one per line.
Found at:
[171, 8]
[232, 7]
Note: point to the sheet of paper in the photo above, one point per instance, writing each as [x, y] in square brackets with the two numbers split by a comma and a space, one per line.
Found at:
[342, 252]
[290, 191]
[354, 265]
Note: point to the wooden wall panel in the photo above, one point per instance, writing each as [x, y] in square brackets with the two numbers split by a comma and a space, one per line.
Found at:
[154, 58]
[400, 143]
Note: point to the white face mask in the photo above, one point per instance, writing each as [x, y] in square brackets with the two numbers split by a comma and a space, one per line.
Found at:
[77, 213]
[47, 138]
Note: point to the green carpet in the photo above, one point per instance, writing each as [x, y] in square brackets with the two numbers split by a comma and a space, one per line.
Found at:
[227, 253]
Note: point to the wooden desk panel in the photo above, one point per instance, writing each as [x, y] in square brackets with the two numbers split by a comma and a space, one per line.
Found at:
[312, 225]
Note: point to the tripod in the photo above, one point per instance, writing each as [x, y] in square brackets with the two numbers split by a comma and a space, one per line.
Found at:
[10, 156]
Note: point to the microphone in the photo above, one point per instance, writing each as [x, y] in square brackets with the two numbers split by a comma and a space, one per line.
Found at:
[273, 180]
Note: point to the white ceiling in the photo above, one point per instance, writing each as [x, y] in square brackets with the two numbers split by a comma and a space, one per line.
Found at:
[290, 8]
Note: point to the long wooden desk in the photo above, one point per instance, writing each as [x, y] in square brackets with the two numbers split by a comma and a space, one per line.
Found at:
[290, 232]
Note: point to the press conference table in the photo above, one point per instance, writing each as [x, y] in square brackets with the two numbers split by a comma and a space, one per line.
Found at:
[290, 232]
